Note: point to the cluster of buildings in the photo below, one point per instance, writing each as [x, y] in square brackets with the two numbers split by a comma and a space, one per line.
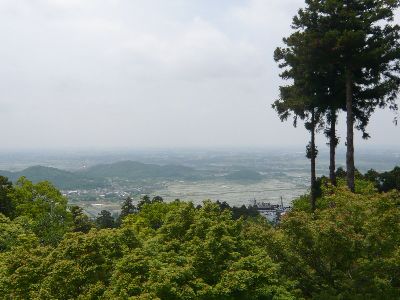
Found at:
[272, 212]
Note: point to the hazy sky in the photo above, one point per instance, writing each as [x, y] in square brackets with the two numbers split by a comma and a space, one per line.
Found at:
[147, 73]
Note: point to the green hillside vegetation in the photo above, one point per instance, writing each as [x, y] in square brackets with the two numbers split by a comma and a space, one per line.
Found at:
[60, 178]
[385, 181]
[349, 248]
[132, 170]
[97, 176]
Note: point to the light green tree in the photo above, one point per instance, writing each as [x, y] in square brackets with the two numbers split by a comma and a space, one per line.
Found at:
[41, 208]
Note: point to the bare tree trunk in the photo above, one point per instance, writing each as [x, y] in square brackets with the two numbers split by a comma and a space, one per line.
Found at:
[350, 132]
[313, 157]
[332, 147]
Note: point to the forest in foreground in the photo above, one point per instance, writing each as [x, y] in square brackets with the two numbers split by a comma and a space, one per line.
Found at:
[349, 248]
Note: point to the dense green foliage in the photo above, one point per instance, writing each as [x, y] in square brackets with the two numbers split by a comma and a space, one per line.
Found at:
[349, 248]
[383, 181]
[239, 212]
[351, 244]
[41, 208]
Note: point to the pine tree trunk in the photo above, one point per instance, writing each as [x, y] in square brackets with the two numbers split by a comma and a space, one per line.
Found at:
[332, 148]
[350, 132]
[313, 157]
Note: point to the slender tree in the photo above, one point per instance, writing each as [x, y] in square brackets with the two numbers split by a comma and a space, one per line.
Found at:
[304, 97]
[313, 121]
[312, 153]
[330, 133]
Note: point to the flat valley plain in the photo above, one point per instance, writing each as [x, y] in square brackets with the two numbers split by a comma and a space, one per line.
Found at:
[97, 180]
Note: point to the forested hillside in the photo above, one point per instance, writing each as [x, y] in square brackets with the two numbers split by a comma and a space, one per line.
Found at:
[60, 178]
[349, 248]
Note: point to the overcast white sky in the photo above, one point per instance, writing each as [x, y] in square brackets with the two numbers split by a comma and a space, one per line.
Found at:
[147, 73]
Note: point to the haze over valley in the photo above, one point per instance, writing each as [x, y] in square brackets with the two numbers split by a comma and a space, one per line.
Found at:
[99, 180]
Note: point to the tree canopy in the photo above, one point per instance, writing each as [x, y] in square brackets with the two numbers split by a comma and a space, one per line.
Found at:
[347, 249]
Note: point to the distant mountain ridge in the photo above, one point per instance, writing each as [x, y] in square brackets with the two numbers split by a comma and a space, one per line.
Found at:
[98, 176]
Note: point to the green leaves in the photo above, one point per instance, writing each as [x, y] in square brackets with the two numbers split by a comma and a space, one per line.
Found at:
[349, 248]
[13, 234]
[42, 208]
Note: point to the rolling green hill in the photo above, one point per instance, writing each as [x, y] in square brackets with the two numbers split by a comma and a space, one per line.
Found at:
[132, 170]
[98, 176]
[60, 178]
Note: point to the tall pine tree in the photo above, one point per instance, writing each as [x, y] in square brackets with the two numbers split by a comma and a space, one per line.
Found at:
[362, 42]
[304, 97]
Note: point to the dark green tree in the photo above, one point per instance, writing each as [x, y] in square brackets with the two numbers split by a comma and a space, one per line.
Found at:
[372, 176]
[340, 173]
[105, 220]
[389, 180]
[6, 206]
[144, 200]
[127, 208]
[326, 75]
[82, 223]
[158, 199]
[304, 97]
